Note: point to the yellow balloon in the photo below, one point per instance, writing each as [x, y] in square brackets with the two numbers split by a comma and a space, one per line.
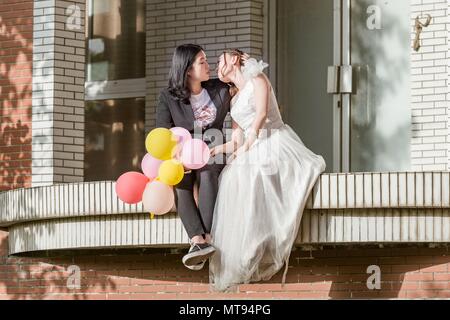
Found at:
[161, 143]
[171, 172]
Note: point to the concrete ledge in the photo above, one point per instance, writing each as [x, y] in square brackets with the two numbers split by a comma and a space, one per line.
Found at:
[342, 208]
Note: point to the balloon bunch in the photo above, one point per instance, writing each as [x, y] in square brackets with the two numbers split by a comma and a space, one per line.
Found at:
[170, 153]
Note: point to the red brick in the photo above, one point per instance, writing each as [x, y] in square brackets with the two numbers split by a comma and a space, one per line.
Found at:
[392, 260]
[312, 295]
[116, 296]
[402, 268]
[406, 285]
[353, 269]
[297, 287]
[434, 285]
[152, 273]
[414, 294]
[130, 273]
[284, 295]
[366, 294]
[9, 283]
[260, 287]
[339, 294]
[404, 251]
[442, 259]
[30, 283]
[441, 276]
[341, 278]
[349, 286]
[140, 289]
[259, 295]
[198, 287]
[18, 6]
[353, 261]
[321, 286]
[434, 268]
[94, 296]
[158, 296]
[197, 296]
[391, 294]
[418, 277]
[432, 251]
[419, 260]
[332, 270]
[318, 277]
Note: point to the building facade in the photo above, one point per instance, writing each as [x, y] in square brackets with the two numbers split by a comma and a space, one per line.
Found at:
[365, 83]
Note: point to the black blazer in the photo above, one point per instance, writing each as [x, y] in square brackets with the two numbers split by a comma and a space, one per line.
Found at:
[171, 112]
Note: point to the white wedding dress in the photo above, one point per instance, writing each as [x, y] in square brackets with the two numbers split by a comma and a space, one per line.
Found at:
[262, 195]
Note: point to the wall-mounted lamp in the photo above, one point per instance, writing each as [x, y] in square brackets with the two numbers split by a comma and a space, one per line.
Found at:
[418, 26]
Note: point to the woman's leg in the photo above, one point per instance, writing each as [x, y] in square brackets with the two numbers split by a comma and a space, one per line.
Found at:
[187, 208]
[208, 179]
[198, 238]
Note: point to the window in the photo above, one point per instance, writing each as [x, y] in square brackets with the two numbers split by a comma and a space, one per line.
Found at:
[115, 88]
[116, 40]
[115, 141]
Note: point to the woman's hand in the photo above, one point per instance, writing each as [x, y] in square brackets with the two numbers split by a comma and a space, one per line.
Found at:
[216, 150]
[241, 150]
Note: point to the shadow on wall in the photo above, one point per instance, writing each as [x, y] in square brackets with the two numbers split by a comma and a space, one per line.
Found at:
[381, 117]
[49, 278]
[332, 273]
[15, 100]
[49, 275]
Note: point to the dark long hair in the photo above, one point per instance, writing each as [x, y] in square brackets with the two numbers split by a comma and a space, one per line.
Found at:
[182, 60]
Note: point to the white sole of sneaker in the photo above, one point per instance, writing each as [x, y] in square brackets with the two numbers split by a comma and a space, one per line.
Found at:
[196, 267]
[191, 259]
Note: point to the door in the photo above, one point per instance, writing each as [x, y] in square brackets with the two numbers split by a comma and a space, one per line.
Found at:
[306, 44]
[342, 79]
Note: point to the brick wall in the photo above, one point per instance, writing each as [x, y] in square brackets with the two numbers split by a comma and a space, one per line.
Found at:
[448, 82]
[16, 64]
[430, 109]
[448, 79]
[331, 273]
[213, 24]
[58, 91]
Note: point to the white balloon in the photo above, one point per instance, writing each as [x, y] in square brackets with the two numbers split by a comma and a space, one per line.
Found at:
[158, 198]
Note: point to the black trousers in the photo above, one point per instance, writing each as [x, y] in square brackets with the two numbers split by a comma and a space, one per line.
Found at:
[198, 220]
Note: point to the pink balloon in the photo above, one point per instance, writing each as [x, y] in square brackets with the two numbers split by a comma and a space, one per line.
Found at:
[183, 135]
[130, 186]
[158, 198]
[195, 154]
[150, 166]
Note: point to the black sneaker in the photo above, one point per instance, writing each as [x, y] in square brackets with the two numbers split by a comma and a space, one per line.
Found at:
[198, 253]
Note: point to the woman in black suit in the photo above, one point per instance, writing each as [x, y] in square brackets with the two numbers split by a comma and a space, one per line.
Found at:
[194, 101]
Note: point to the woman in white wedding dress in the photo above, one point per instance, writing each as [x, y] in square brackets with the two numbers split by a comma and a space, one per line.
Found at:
[263, 191]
